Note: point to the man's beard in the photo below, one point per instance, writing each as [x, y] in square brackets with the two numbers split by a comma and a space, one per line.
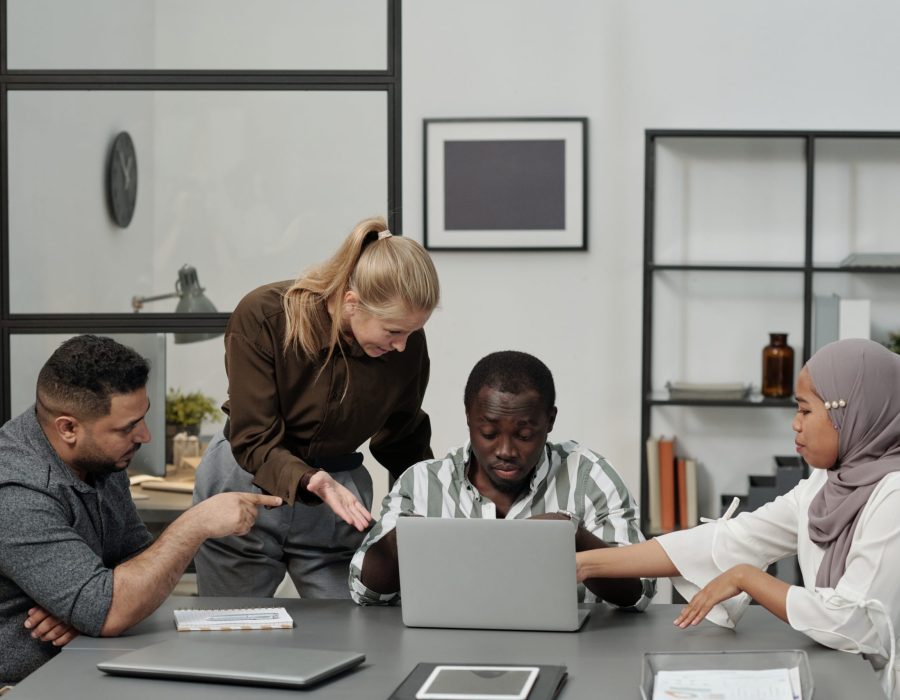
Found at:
[94, 462]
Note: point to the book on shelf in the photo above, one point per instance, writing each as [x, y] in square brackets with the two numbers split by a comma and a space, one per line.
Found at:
[693, 499]
[653, 483]
[721, 391]
[687, 493]
[681, 491]
[667, 485]
[871, 260]
[835, 318]
[673, 502]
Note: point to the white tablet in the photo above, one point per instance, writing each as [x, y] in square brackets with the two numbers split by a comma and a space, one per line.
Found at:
[478, 682]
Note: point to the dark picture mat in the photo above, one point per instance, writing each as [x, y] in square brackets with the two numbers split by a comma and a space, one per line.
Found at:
[505, 185]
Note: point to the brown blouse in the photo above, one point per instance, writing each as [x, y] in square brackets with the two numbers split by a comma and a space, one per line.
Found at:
[281, 413]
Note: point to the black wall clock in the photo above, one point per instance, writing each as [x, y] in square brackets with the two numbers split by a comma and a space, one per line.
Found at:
[122, 179]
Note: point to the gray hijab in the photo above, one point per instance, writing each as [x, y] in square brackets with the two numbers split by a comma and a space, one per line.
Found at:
[862, 379]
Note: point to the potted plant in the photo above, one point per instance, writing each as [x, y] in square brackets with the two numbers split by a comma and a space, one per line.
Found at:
[185, 412]
[894, 343]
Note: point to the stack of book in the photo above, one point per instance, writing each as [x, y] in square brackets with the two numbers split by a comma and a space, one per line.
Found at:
[672, 487]
[710, 391]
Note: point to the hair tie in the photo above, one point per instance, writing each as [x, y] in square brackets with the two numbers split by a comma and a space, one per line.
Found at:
[373, 236]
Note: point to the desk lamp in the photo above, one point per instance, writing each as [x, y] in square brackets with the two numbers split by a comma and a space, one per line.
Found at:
[191, 300]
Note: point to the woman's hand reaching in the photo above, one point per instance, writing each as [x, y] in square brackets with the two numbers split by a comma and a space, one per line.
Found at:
[723, 587]
[767, 590]
[340, 499]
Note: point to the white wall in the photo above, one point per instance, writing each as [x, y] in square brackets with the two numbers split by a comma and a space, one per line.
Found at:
[200, 35]
[628, 66]
[525, 59]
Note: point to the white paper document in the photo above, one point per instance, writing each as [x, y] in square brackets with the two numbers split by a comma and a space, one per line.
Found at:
[765, 684]
[232, 619]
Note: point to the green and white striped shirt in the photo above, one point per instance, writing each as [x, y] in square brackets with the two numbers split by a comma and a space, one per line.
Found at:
[569, 477]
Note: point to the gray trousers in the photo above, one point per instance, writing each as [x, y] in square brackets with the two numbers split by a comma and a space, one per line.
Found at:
[310, 543]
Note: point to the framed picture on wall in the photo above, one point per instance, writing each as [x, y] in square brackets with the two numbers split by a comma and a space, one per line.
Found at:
[505, 184]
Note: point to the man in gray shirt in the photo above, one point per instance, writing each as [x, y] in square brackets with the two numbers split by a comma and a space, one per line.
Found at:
[74, 554]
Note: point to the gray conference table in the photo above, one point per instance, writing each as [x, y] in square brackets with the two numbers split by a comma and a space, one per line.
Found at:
[603, 658]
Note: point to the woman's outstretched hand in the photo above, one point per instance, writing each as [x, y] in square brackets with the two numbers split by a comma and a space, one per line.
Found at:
[340, 499]
[722, 587]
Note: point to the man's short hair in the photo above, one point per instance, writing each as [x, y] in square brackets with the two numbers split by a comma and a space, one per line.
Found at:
[84, 373]
[513, 372]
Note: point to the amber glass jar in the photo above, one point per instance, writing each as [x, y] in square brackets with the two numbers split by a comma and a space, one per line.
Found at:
[777, 367]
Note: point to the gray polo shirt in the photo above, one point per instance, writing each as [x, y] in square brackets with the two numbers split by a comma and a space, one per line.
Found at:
[60, 538]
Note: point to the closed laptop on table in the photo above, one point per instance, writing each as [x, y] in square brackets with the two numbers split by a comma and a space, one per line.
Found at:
[200, 660]
[488, 574]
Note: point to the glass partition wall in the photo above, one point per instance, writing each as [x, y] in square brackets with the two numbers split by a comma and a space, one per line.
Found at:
[160, 159]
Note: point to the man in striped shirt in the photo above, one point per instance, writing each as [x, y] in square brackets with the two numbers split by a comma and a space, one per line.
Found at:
[508, 469]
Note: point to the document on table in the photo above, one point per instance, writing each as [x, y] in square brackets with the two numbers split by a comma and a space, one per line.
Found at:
[764, 684]
[232, 619]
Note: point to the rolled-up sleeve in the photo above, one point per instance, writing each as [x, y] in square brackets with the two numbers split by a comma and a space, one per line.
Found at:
[50, 562]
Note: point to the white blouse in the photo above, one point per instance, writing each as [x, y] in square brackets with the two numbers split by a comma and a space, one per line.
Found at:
[859, 615]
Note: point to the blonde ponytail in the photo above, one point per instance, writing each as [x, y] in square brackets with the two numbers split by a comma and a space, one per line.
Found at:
[391, 275]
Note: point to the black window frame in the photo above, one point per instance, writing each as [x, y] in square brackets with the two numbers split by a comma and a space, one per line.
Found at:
[388, 81]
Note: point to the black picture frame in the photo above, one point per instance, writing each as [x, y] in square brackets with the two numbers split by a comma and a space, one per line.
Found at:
[500, 184]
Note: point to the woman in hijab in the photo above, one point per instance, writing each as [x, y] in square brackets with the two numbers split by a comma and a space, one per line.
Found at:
[842, 522]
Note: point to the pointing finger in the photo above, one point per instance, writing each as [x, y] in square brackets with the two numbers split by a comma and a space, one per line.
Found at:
[264, 499]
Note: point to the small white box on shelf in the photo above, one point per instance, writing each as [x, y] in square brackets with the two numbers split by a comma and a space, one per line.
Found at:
[855, 319]
[837, 319]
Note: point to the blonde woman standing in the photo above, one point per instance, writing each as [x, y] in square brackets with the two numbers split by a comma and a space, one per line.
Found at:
[316, 367]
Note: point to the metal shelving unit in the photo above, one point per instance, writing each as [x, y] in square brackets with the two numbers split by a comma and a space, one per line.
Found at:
[807, 270]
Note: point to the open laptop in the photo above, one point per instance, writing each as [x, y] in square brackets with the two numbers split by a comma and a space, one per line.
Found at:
[488, 574]
[199, 660]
